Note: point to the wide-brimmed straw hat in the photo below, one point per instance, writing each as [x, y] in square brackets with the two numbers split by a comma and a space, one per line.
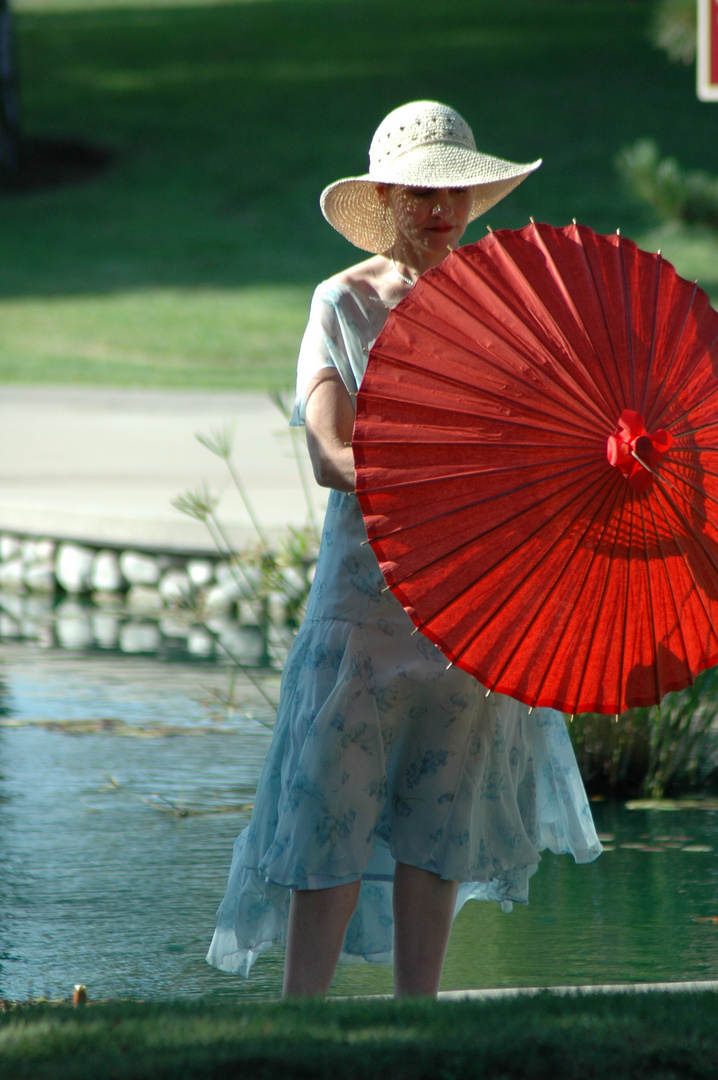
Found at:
[422, 144]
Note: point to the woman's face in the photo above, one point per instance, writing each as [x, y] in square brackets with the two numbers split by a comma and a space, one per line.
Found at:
[430, 221]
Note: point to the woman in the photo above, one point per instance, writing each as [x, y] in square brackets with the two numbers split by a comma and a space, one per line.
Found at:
[394, 790]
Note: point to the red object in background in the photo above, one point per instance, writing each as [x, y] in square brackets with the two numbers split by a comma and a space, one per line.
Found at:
[707, 64]
[494, 443]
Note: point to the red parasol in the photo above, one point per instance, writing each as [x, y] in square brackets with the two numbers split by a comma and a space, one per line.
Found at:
[536, 447]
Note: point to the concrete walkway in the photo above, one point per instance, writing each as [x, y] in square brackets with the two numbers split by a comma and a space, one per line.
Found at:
[103, 466]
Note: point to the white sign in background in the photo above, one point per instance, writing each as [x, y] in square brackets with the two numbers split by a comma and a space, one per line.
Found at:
[707, 69]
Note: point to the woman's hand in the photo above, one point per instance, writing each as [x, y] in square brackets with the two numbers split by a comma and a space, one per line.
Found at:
[330, 425]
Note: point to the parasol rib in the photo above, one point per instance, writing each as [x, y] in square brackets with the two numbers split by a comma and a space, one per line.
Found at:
[652, 353]
[655, 421]
[651, 604]
[666, 471]
[607, 425]
[502, 334]
[689, 374]
[448, 338]
[413, 483]
[568, 380]
[669, 578]
[689, 530]
[697, 594]
[571, 306]
[627, 311]
[616, 489]
[506, 556]
[462, 547]
[445, 514]
[617, 405]
[621, 496]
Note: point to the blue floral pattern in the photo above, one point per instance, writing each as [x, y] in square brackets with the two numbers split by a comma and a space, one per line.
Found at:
[381, 752]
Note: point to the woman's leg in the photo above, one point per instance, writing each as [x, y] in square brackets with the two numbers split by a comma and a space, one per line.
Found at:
[318, 920]
[423, 911]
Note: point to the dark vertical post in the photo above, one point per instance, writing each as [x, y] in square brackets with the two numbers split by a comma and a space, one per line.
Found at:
[9, 133]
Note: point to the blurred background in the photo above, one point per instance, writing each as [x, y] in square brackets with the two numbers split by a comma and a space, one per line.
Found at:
[162, 160]
[160, 168]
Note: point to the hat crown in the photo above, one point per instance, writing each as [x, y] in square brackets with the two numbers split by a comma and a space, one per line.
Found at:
[420, 123]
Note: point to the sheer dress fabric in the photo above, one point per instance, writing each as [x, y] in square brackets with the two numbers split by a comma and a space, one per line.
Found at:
[380, 752]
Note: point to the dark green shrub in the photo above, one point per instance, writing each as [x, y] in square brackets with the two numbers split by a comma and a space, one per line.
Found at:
[671, 748]
[673, 29]
[675, 195]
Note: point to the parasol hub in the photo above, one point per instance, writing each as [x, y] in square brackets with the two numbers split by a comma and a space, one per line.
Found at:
[635, 452]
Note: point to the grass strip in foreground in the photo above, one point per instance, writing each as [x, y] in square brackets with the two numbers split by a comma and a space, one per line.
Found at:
[623, 1036]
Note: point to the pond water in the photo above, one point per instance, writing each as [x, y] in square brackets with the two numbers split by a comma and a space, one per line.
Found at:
[121, 796]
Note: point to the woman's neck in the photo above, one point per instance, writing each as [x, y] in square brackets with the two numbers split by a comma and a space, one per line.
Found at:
[409, 263]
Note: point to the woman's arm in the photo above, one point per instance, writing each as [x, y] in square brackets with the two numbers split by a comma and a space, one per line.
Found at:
[330, 424]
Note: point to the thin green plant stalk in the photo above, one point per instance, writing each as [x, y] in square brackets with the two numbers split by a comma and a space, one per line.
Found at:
[201, 506]
[246, 670]
[227, 700]
[237, 570]
[220, 443]
[216, 529]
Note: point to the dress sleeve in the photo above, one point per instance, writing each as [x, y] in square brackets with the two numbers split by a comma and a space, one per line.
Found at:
[330, 340]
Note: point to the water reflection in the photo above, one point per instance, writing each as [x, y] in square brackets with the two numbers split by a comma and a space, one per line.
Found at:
[115, 851]
[77, 625]
[633, 916]
[4, 699]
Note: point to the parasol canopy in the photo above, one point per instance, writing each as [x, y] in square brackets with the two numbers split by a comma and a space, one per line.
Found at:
[536, 450]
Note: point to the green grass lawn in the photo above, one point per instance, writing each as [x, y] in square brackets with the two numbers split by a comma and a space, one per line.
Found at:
[191, 260]
[657, 1036]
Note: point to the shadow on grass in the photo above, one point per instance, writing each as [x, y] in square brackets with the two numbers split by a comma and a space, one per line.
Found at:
[52, 163]
[624, 1036]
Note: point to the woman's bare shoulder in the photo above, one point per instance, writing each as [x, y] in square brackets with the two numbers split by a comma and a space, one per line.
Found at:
[372, 277]
[365, 276]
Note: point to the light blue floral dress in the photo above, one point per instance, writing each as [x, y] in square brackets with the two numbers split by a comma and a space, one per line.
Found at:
[380, 752]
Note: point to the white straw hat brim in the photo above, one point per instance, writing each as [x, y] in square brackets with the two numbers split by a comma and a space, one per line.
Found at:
[353, 207]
